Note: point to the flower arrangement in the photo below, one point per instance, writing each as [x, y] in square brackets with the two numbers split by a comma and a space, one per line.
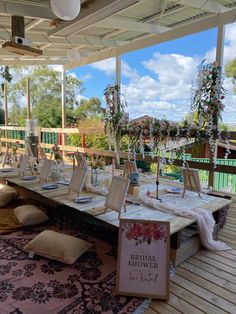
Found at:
[145, 232]
[56, 152]
[96, 163]
[208, 96]
[207, 101]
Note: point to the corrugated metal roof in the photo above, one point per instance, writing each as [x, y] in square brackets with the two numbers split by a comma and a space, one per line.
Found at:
[105, 28]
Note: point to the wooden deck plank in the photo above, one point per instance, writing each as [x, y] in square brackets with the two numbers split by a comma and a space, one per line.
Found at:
[215, 263]
[212, 269]
[204, 293]
[193, 299]
[221, 282]
[223, 260]
[182, 305]
[164, 308]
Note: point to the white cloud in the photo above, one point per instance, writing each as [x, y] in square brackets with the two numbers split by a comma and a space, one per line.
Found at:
[107, 66]
[80, 97]
[165, 90]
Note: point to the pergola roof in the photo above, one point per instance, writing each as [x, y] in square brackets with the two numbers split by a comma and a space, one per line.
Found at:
[106, 28]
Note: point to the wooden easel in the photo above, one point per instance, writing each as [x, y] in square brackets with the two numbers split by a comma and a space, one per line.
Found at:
[191, 180]
[129, 166]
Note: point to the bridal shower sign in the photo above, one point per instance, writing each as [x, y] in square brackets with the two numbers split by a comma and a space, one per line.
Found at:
[143, 258]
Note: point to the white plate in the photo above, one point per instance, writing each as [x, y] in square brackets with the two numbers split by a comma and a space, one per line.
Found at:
[174, 190]
[49, 186]
[7, 170]
[82, 199]
[29, 178]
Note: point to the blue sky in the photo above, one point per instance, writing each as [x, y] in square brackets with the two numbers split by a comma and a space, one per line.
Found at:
[157, 80]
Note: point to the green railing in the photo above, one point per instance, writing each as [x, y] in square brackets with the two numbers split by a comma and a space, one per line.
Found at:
[221, 180]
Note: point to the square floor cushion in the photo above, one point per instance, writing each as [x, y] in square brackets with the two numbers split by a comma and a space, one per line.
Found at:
[57, 246]
[29, 215]
[7, 193]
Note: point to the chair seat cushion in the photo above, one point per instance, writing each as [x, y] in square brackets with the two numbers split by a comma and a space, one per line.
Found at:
[57, 246]
[29, 215]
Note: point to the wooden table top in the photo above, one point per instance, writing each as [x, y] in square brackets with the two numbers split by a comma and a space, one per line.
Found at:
[96, 206]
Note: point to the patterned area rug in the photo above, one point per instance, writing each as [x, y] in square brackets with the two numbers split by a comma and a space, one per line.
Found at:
[44, 286]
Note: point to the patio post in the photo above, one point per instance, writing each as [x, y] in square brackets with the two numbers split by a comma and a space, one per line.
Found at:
[118, 69]
[63, 106]
[28, 98]
[6, 113]
[219, 59]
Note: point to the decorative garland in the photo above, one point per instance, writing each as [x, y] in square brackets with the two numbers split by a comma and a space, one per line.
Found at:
[206, 102]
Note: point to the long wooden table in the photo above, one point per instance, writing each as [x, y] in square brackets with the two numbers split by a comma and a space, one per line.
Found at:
[181, 228]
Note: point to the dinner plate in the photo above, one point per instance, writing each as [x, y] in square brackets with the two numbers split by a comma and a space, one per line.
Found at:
[174, 190]
[49, 186]
[7, 170]
[29, 178]
[82, 199]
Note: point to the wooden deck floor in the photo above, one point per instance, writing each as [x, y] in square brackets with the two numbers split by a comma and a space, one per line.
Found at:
[206, 282]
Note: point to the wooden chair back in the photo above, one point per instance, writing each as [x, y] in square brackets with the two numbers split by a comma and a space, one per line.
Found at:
[129, 166]
[77, 179]
[45, 170]
[191, 180]
[117, 194]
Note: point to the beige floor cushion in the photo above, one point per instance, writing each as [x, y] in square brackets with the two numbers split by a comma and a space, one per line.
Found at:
[7, 193]
[57, 246]
[29, 215]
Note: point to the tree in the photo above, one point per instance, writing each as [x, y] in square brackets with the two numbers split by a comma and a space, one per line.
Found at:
[90, 108]
[230, 71]
[45, 92]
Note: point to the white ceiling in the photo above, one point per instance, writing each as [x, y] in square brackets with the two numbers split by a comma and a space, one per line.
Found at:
[105, 28]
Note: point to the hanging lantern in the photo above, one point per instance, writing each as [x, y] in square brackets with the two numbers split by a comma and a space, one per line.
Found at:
[73, 55]
[65, 9]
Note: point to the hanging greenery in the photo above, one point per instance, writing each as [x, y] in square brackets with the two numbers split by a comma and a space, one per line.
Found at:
[6, 75]
[208, 97]
[165, 135]
[114, 114]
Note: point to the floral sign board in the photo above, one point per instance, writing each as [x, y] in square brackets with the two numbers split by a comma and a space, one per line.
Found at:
[143, 258]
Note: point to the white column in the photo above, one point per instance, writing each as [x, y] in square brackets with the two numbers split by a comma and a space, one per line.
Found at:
[118, 69]
[220, 44]
[63, 104]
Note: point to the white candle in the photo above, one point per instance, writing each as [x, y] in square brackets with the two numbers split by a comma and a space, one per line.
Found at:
[136, 192]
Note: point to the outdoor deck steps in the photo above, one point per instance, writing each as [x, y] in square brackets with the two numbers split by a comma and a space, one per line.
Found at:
[206, 282]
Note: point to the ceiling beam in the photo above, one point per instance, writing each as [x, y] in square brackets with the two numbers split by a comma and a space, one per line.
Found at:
[177, 32]
[124, 24]
[71, 41]
[90, 15]
[209, 5]
[33, 23]
[29, 9]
